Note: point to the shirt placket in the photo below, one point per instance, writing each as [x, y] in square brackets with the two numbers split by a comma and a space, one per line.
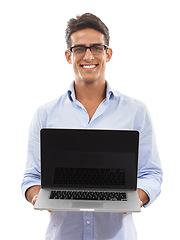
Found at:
[98, 112]
[88, 224]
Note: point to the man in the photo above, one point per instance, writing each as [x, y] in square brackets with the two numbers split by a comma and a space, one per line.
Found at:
[90, 102]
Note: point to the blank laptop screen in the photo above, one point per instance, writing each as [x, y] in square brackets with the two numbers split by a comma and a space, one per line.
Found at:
[90, 159]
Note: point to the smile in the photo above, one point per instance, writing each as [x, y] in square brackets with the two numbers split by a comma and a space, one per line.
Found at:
[89, 66]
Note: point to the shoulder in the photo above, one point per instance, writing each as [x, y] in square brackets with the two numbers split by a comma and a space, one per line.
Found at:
[136, 109]
[127, 100]
[46, 110]
[49, 106]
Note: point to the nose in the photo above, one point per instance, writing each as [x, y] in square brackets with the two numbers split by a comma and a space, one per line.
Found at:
[88, 56]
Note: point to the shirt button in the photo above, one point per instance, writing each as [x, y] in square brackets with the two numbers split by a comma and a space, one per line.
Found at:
[88, 222]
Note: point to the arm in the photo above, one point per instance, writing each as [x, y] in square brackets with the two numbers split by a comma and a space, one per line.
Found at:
[149, 166]
[32, 176]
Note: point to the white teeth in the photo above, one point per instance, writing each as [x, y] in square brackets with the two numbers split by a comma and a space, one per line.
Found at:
[89, 66]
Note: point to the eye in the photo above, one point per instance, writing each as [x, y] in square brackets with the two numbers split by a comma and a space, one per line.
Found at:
[98, 48]
[78, 50]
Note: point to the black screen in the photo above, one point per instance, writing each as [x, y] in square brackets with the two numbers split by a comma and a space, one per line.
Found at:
[89, 158]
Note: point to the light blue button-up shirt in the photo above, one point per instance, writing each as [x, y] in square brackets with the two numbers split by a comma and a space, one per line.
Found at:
[117, 111]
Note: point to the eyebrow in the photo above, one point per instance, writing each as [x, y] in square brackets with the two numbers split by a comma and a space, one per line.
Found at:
[83, 45]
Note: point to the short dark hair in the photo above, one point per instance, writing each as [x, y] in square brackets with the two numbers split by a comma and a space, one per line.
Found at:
[85, 21]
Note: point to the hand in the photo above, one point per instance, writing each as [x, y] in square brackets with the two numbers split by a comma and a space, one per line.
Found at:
[34, 201]
[143, 197]
[140, 193]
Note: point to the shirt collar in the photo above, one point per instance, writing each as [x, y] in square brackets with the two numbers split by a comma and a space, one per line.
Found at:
[71, 92]
[109, 92]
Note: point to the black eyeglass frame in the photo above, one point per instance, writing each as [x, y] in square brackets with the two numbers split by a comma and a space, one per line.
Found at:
[81, 45]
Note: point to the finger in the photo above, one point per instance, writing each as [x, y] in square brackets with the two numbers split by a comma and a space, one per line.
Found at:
[141, 203]
[34, 200]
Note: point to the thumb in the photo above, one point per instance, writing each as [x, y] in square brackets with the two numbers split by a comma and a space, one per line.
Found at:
[34, 200]
[141, 203]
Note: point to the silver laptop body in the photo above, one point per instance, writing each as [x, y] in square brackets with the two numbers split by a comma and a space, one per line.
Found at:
[89, 170]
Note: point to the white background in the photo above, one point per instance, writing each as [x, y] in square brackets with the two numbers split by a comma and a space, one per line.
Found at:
[145, 38]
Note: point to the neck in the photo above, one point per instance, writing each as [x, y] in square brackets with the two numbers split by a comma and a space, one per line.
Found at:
[90, 91]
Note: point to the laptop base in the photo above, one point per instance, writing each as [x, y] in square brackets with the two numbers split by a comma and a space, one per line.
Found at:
[44, 203]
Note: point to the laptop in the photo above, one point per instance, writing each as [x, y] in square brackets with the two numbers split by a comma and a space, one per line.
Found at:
[88, 170]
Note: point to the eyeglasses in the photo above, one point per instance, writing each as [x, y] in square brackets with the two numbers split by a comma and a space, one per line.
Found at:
[95, 49]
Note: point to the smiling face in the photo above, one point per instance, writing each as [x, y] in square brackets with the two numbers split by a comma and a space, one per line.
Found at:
[88, 68]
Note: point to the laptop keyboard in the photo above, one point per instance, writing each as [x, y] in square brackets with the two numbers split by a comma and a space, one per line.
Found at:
[89, 195]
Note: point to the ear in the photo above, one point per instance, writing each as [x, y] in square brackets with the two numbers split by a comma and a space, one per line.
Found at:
[68, 56]
[109, 54]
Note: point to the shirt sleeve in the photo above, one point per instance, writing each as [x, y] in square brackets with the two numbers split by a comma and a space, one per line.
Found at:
[149, 166]
[32, 172]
